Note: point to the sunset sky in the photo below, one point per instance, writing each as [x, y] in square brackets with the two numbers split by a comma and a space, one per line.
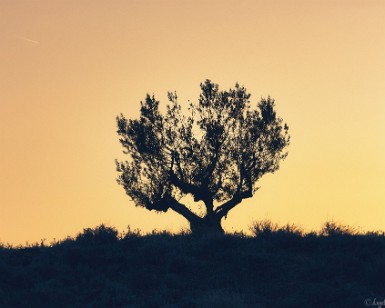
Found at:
[68, 68]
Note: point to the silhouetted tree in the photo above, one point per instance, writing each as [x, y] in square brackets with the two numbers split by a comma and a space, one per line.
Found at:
[216, 153]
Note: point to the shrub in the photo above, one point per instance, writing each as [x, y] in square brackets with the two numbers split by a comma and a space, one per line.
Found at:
[101, 234]
[291, 230]
[331, 228]
[263, 228]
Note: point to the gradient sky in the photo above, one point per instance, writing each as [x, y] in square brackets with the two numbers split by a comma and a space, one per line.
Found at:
[67, 68]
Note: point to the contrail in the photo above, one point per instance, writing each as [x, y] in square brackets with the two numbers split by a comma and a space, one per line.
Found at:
[28, 40]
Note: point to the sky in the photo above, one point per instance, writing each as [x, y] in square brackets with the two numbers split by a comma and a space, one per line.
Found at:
[68, 68]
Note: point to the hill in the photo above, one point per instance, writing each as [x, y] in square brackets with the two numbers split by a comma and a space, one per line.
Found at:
[277, 267]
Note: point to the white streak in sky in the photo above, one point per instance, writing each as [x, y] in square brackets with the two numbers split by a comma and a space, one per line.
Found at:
[28, 40]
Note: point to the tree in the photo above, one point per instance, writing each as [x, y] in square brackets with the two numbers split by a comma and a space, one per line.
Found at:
[216, 153]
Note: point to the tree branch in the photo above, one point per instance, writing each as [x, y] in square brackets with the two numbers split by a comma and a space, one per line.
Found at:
[186, 188]
[181, 209]
[223, 210]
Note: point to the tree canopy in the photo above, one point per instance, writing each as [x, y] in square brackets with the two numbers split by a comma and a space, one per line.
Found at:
[216, 151]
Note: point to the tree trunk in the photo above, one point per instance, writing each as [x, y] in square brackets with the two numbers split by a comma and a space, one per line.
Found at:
[207, 226]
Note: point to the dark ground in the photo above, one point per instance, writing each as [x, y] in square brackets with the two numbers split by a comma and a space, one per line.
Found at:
[278, 267]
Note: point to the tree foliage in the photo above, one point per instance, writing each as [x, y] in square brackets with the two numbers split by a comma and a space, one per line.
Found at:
[216, 152]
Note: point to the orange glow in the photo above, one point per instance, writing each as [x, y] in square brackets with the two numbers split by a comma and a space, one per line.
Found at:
[69, 67]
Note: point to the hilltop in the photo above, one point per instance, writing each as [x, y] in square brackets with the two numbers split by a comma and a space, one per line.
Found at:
[277, 267]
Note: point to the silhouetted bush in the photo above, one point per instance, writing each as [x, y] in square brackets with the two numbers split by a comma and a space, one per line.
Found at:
[263, 228]
[332, 228]
[101, 234]
[266, 228]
